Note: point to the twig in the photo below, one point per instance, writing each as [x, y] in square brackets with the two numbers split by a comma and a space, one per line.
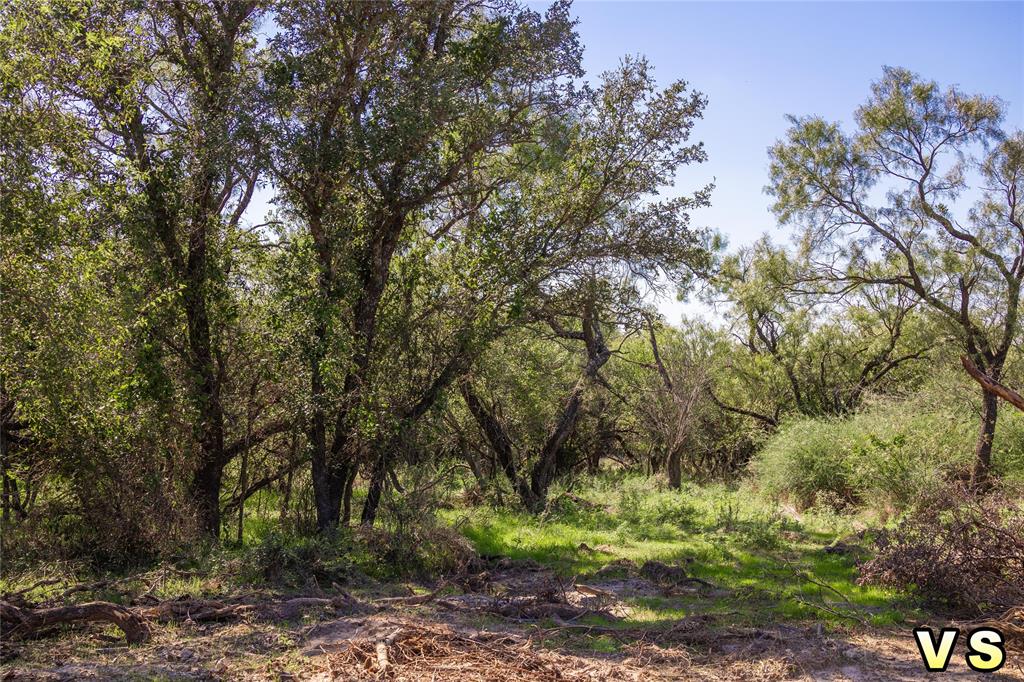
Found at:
[827, 609]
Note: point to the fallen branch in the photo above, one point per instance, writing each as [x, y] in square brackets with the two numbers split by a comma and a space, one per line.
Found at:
[381, 649]
[194, 610]
[199, 611]
[28, 622]
[46, 582]
[1011, 624]
[828, 609]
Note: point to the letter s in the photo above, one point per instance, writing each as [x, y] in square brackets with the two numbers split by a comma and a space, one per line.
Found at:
[985, 650]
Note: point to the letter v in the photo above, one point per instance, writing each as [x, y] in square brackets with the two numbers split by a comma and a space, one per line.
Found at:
[936, 657]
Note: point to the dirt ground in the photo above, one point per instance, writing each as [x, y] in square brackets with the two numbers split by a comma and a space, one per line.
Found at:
[511, 622]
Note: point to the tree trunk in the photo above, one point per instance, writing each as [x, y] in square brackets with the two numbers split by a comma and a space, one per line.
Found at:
[19, 622]
[986, 434]
[499, 440]
[329, 479]
[374, 269]
[205, 494]
[373, 494]
[286, 497]
[329, 473]
[992, 386]
[346, 503]
[206, 485]
[675, 469]
[243, 483]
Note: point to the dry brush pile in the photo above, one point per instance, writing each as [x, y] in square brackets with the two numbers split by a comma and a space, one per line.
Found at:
[961, 552]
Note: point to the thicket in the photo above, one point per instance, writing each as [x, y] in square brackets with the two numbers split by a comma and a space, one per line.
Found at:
[957, 551]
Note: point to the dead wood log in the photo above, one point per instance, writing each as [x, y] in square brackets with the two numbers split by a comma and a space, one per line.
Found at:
[200, 611]
[1011, 624]
[293, 608]
[381, 649]
[195, 610]
[23, 622]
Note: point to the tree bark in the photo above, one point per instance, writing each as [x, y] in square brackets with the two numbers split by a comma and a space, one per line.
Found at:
[452, 370]
[992, 390]
[545, 470]
[992, 386]
[328, 489]
[377, 479]
[986, 434]
[205, 495]
[346, 503]
[499, 441]
[331, 471]
[674, 469]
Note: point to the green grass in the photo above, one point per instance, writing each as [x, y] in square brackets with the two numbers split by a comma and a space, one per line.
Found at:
[770, 567]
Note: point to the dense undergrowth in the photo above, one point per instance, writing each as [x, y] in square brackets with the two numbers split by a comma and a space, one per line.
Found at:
[887, 456]
[835, 520]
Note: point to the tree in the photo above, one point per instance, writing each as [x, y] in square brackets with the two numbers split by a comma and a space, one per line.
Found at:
[887, 205]
[162, 144]
[587, 249]
[801, 349]
[683, 383]
[384, 111]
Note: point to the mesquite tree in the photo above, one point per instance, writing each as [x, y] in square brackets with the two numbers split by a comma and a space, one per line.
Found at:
[591, 232]
[383, 111]
[160, 141]
[924, 195]
[802, 350]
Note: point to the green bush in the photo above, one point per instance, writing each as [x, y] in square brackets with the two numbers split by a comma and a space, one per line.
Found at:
[296, 561]
[887, 455]
[806, 458]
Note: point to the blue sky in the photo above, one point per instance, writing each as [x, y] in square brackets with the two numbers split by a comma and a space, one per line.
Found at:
[758, 61]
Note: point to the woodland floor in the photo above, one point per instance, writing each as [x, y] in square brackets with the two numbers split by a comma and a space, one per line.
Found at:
[619, 581]
[516, 620]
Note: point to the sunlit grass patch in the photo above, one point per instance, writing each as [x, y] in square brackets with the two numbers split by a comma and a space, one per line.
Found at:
[765, 565]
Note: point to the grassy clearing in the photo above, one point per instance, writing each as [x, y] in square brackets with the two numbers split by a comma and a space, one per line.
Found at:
[770, 565]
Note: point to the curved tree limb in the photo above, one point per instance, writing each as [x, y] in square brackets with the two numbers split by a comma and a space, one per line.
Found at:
[992, 386]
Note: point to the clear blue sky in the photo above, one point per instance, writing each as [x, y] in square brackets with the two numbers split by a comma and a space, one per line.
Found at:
[758, 61]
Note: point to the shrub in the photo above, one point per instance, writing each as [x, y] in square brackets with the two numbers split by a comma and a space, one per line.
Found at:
[126, 521]
[957, 551]
[806, 458]
[420, 551]
[295, 561]
[891, 454]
